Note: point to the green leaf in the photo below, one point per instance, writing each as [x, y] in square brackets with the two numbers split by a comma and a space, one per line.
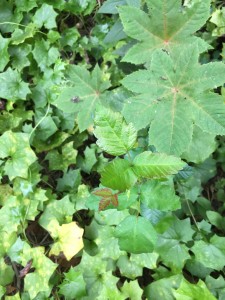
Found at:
[89, 88]
[127, 268]
[132, 290]
[156, 165]
[159, 195]
[210, 254]
[136, 235]
[216, 219]
[3, 52]
[162, 289]
[12, 87]
[167, 25]
[113, 134]
[202, 145]
[177, 85]
[44, 54]
[118, 175]
[68, 239]
[38, 281]
[73, 285]
[16, 148]
[191, 291]
[172, 251]
[69, 182]
[86, 164]
[45, 16]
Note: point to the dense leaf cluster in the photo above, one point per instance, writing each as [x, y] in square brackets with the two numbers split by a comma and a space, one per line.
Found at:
[112, 160]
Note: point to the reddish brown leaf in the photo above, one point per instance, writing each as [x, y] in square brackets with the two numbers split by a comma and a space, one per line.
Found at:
[104, 202]
[114, 200]
[103, 192]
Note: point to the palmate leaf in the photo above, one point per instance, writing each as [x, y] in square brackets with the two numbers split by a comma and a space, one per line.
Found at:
[167, 25]
[176, 94]
[16, 148]
[88, 89]
[113, 134]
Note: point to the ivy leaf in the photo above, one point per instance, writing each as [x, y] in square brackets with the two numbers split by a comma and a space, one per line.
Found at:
[73, 285]
[136, 235]
[16, 148]
[156, 165]
[113, 134]
[45, 16]
[163, 288]
[12, 87]
[68, 240]
[175, 90]
[173, 252]
[211, 255]
[89, 88]
[168, 24]
[132, 290]
[188, 290]
[159, 196]
[118, 175]
[38, 281]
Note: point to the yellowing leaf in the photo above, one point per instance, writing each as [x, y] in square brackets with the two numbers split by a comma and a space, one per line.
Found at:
[69, 240]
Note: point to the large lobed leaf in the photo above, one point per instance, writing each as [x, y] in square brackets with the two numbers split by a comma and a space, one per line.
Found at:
[167, 25]
[87, 89]
[173, 94]
[113, 134]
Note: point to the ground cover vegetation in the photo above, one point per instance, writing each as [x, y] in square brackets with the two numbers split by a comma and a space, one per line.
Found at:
[112, 154]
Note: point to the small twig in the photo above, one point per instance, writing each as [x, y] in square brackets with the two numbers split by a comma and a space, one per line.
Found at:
[18, 279]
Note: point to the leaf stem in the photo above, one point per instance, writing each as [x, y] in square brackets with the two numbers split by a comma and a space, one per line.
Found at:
[40, 121]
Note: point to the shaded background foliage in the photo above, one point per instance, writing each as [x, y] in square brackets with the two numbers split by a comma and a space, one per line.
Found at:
[58, 61]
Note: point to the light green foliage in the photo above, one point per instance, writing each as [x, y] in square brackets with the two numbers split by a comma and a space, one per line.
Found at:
[16, 149]
[112, 159]
[176, 85]
[113, 134]
[136, 235]
[167, 25]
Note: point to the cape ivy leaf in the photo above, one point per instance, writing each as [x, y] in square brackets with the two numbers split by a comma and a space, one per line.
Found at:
[69, 240]
[167, 25]
[118, 175]
[188, 290]
[73, 285]
[45, 16]
[12, 87]
[156, 165]
[38, 281]
[178, 88]
[88, 89]
[113, 134]
[16, 147]
[136, 235]
[159, 195]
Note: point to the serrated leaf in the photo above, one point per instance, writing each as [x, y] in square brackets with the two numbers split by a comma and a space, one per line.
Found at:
[156, 165]
[167, 25]
[113, 134]
[136, 235]
[89, 88]
[69, 240]
[16, 148]
[178, 88]
[118, 175]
